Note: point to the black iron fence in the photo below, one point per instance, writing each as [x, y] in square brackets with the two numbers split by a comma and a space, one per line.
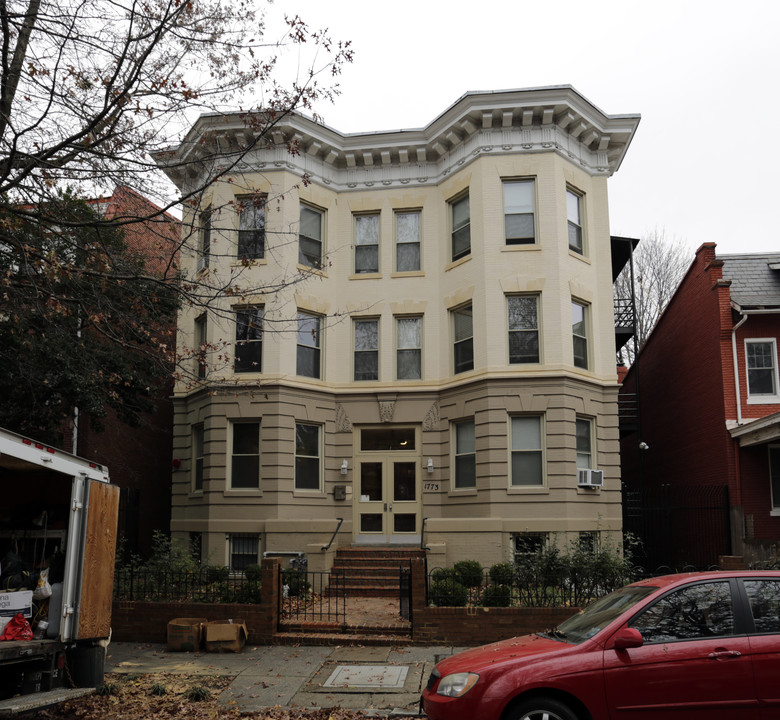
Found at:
[207, 585]
[678, 525]
[312, 596]
[506, 585]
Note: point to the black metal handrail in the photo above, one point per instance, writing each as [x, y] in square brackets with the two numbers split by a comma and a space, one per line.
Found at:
[422, 535]
[333, 537]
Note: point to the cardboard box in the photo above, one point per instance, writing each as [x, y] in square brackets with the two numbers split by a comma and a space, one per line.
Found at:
[16, 602]
[185, 634]
[225, 635]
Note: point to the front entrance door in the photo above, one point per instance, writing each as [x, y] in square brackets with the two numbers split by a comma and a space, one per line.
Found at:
[387, 491]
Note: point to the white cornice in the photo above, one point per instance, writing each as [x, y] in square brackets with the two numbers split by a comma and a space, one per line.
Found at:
[555, 119]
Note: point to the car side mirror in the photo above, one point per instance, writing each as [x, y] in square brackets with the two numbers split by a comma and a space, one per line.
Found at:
[627, 638]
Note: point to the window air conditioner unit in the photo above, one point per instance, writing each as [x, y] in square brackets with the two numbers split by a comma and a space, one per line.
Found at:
[590, 478]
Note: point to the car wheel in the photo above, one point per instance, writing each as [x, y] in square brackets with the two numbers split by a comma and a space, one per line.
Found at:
[542, 709]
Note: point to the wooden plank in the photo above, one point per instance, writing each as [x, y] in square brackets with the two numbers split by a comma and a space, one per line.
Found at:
[100, 546]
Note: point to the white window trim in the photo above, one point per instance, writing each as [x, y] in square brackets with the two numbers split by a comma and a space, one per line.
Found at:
[419, 318]
[535, 213]
[538, 298]
[323, 230]
[229, 548]
[355, 321]
[586, 306]
[763, 399]
[592, 451]
[451, 203]
[320, 460]
[198, 428]
[454, 489]
[419, 243]
[581, 212]
[542, 439]
[257, 200]
[229, 489]
[454, 341]
[378, 244]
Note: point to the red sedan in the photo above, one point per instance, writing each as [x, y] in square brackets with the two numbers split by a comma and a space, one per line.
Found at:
[696, 646]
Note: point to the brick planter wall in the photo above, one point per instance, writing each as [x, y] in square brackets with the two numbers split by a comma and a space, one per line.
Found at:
[135, 621]
[474, 626]
[477, 626]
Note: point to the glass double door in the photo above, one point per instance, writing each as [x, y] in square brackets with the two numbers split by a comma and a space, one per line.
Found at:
[387, 493]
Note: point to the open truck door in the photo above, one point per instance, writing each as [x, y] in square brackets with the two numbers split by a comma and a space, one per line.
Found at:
[58, 512]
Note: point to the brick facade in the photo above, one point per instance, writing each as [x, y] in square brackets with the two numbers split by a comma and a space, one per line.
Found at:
[688, 399]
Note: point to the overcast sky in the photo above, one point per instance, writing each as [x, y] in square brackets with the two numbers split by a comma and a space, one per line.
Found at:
[703, 74]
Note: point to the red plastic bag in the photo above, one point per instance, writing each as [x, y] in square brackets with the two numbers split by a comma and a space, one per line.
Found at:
[17, 629]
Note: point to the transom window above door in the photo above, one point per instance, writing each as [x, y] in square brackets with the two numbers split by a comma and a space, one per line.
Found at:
[383, 439]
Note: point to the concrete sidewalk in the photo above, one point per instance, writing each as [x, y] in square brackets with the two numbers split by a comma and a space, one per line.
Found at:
[383, 680]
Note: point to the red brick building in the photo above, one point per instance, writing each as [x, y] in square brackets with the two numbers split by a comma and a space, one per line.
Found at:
[139, 459]
[706, 437]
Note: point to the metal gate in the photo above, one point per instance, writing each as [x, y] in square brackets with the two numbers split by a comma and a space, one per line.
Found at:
[307, 597]
[678, 526]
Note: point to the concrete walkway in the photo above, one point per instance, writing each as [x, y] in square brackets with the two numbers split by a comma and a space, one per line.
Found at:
[383, 680]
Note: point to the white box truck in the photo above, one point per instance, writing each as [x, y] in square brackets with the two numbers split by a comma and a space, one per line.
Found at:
[58, 513]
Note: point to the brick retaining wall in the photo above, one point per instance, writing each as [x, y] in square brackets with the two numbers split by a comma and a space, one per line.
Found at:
[135, 621]
[477, 626]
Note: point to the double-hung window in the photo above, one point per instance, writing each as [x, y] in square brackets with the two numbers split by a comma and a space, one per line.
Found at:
[465, 454]
[244, 551]
[761, 361]
[308, 357]
[366, 349]
[204, 251]
[307, 456]
[409, 352]
[407, 241]
[527, 454]
[583, 432]
[463, 333]
[574, 218]
[519, 212]
[201, 346]
[523, 328]
[251, 228]
[198, 445]
[245, 456]
[367, 243]
[579, 331]
[461, 227]
[310, 237]
[249, 339]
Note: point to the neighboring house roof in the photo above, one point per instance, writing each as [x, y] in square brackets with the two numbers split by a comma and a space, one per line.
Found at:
[755, 279]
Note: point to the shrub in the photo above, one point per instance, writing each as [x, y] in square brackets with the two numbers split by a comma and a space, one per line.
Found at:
[108, 689]
[495, 595]
[158, 689]
[469, 573]
[296, 583]
[502, 574]
[252, 572]
[448, 593]
[444, 574]
[198, 694]
[214, 573]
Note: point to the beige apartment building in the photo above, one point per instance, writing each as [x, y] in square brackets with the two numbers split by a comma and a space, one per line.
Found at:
[418, 346]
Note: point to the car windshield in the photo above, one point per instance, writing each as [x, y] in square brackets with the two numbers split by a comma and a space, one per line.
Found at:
[599, 614]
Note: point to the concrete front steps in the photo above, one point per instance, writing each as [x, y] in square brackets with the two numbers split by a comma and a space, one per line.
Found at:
[371, 571]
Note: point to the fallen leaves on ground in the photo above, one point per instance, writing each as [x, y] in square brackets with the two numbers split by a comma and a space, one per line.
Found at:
[136, 697]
